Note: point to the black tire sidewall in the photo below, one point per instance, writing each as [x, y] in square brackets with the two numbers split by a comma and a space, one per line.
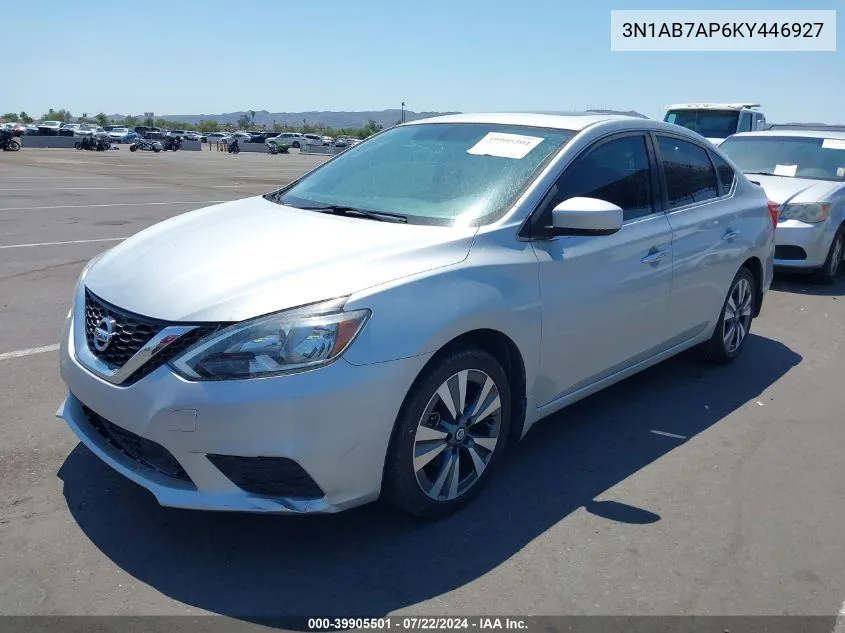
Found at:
[400, 485]
[743, 273]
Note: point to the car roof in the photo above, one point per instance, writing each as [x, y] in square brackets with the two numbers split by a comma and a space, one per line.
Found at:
[714, 106]
[798, 133]
[574, 122]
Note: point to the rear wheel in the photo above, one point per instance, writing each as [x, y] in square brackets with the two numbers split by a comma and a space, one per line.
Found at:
[832, 265]
[156, 149]
[451, 431]
[77, 145]
[14, 146]
[133, 148]
[735, 320]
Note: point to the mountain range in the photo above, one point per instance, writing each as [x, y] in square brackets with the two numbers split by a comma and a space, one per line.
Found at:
[333, 119]
[329, 118]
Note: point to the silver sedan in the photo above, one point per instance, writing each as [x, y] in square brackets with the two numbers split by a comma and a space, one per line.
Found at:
[385, 325]
[803, 172]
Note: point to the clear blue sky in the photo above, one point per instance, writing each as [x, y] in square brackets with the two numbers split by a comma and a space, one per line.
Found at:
[214, 56]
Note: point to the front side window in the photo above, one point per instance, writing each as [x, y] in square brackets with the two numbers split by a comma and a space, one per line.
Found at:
[616, 171]
[433, 173]
[709, 123]
[690, 176]
[788, 156]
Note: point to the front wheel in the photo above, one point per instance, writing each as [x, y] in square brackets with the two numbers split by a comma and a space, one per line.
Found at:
[156, 149]
[133, 148]
[14, 146]
[450, 432]
[735, 320]
[296, 144]
[77, 145]
[827, 273]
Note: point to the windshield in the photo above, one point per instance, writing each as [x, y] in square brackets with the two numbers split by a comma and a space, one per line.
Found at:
[791, 156]
[708, 123]
[433, 173]
[120, 130]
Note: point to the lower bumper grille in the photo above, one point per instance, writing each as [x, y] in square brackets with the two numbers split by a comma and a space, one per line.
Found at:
[790, 252]
[137, 448]
[269, 476]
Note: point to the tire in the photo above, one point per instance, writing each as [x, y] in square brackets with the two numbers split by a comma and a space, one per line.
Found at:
[295, 144]
[77, 145]
[833, 263]
[14, 146]
[156, 149]
[133, 148]
[426, 486]
[733, 324]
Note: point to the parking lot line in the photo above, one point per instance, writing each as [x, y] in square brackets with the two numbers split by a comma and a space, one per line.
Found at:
[28, 352]
[113, 204]
[105, 239]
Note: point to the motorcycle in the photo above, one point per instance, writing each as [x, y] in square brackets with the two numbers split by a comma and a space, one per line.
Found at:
[93, 144]
[8, 142]
[273, 148]
[233, 147]
[145, 145]
[172, 142]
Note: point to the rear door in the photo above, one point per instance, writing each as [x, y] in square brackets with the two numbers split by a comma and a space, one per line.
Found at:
[707, 234]
[604, 298]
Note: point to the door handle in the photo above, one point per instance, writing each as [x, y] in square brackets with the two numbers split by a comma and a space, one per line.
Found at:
[653, 258]
[729, 235]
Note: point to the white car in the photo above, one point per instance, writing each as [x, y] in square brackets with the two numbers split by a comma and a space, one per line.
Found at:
[313, 139]
[217, 137]
[241, 137]
[716, 121]
[803, 171]
[89, 129]
[49, 127]
[291, 139]
[118, 134]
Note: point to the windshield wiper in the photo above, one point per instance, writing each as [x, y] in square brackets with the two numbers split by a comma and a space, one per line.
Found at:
[337, 209]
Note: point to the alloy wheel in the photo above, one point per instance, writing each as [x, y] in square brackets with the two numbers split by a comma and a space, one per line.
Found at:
[457, 435]
[737, 318]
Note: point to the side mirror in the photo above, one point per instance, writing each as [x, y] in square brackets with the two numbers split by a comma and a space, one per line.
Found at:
[585, 216]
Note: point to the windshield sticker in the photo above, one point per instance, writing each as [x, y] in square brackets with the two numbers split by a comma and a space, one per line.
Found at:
[785, 170]
[505, 145]
[833, 143]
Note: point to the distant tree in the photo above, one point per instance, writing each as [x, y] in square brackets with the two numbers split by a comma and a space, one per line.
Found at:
[208, 126]
[11, 117]
[101, 119]
[25, 118]
[252, 116]
[372, 127]
[130, 121]
[244, 121]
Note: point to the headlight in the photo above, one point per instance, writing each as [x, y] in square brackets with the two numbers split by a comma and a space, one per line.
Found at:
[284, 342]
[812, 213]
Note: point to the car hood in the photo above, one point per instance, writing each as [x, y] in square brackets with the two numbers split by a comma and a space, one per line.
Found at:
[782, 189]
[251, 257]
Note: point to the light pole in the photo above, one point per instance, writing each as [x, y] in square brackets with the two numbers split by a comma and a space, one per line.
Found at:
[402, 118]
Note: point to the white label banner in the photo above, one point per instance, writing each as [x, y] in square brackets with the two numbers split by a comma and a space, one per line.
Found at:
[723, 30]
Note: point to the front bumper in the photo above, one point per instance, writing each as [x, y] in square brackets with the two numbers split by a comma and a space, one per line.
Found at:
[799, 245]
[334, 422]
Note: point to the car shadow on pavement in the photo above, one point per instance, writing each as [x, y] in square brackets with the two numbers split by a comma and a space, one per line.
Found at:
[373, 560]
[804, 284]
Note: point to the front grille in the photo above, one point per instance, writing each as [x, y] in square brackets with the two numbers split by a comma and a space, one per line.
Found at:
[137, 448]
[790, 252]
[131, 331]
[268, 476]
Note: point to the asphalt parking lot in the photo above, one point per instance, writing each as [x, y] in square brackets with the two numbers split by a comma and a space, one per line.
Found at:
[688, 489]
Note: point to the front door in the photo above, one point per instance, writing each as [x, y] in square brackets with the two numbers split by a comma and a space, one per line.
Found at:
[604, 298]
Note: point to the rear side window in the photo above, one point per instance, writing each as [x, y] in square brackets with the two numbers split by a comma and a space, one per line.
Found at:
[725, 172]
[616, 171]
[690, 176]
[745, 122]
